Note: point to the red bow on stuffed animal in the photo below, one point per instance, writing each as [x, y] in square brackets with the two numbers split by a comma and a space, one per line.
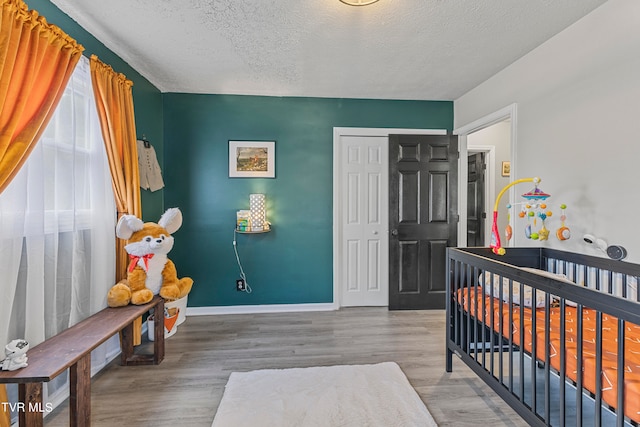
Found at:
[135, 259]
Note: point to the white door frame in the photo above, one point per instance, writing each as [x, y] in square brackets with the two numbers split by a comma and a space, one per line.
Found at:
[509, 112]
[338, 185]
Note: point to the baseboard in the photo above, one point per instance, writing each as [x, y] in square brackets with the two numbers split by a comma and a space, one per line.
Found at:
[257, 309]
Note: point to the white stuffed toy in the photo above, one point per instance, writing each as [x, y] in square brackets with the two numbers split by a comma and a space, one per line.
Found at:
[16, 352]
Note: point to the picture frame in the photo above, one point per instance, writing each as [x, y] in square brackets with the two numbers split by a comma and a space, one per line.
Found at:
[252, 159]
[506, 168]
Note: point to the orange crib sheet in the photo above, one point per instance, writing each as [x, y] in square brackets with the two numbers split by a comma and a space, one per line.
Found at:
[471, 300]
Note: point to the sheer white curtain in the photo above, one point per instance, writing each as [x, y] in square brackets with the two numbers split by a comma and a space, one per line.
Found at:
[57, 222]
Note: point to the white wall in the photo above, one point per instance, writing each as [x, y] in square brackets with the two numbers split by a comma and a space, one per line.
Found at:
[578, 125]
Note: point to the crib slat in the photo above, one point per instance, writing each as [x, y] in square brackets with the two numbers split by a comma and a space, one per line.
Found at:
[579, 367]
[563, 362]
[499, 336]
[468, 292]
[534, 352]
[501, 328]
[621, 366]
[610, 282]
[598, 372]
[460, 322]
[511, 345]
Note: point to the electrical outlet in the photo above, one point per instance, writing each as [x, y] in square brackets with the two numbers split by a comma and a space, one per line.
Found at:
[241, 285]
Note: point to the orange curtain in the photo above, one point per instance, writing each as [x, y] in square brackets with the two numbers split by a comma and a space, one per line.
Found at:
[114, 101]
[115, 108]
[5, 414]
[36, 62]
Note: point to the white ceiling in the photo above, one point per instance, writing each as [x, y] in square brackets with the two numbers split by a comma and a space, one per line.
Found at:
[392, 49]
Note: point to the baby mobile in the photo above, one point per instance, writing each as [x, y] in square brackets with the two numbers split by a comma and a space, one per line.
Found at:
[534, 209]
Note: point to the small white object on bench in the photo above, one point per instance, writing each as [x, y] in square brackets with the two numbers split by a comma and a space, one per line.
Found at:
[16, 352]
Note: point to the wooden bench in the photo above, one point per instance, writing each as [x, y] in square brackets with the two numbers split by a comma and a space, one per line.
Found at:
[71, 349]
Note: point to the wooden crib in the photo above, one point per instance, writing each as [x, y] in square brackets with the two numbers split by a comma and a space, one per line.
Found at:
[554, 333]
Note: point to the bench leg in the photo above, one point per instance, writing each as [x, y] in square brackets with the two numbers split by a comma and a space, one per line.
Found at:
[158, 334]
[32, 414]
[128, 357]
[80, 392]
[126, 344]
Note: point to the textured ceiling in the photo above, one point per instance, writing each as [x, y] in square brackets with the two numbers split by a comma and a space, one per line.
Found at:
[392, 49]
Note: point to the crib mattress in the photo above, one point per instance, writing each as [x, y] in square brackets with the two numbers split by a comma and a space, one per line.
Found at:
[471, 299]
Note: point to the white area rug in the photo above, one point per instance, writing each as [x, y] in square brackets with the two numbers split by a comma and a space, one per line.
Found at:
[346, 395]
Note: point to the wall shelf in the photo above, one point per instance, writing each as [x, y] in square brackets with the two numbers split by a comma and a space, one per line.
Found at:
[253, 232]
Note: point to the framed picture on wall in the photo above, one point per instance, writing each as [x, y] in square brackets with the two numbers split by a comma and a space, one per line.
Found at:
[506, 168]
[252, 159]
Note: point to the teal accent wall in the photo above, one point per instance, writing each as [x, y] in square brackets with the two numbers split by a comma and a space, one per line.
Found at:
[293, 263]
[146, 97]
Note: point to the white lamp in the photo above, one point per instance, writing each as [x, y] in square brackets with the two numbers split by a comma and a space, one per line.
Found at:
[258, 214]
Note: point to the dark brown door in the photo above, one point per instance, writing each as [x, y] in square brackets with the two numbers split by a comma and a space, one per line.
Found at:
[475, 199]
[423, 199]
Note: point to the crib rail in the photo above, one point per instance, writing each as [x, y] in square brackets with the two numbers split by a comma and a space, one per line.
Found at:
[531, 357]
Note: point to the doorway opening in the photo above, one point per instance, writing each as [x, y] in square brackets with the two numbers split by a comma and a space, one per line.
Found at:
[495, 137]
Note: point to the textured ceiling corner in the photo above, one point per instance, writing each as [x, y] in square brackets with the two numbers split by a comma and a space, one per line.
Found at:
[392, 49]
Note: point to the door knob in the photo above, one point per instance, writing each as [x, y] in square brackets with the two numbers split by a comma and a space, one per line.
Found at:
[375, 232]
[394, 232]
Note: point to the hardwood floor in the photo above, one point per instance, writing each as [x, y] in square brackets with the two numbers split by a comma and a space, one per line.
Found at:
[186, 388]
